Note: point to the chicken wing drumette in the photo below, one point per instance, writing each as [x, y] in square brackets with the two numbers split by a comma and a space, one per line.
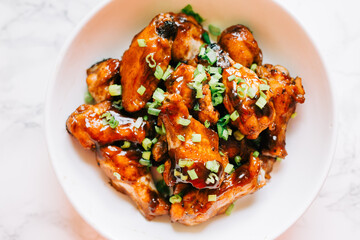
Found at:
[287, 91]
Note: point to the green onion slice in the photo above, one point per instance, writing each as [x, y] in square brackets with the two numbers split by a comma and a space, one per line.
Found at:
[253, 67]
[196, 138]
[192, 174]
[138, 122]
[237, 65]
[207, 124]
[261, 102]
[167, 73]
[159, 95]
[181, 138]
[256, 154]
[175, 199]
[146, 155]
[141, 90]
[158, 72]
[141, 42]
[154, 111]
[213, 166]
[146, 143]
[238, 135]
[185, 163]
[229, 209]
[229, 168]
[126, 144]
[115, 90]
[150, 60]
[160, 168]
[235, 115]
[145, 162]
[212, 198]
[184, 122]
[264, 87]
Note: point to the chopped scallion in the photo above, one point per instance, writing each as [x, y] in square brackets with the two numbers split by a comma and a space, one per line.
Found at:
[185, 163]
[212, 198]
[146, 143]
[206, 37]
[207, 124]
[88, 98]
[293, 115]
[181, 138]
[158, 72]
[264, 87]
[261, 102]
[229, 209]
[115, 90]
[154, 140]
[145, 162]
[175, 199]
[253, 67]
[154, 111]
[146, 155]
[213, 166]
[188, 10]
[238, 135]
[237, 160]
[138, 122]
[235, 115]
[251, 92]
[196, 138]
[214, 30]
[184, 122]
[278, 159]
[232, 77]
[126, 144]
[229, 168]
[167, 73]
[159, 95]
[160, 169]
[141, 42]
[237, 65]
[256, 154]
[150, 60]
[192, 174]
[211, 55]
[141, 90]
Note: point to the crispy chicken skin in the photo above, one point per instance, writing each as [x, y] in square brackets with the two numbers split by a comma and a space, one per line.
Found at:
[178, 83]
[172, 111]
[207, 111]
[128, 176]
[135, 71]
[100, 76]
[86, 125]
[287, 91]
[239, 42]
[252, 120]
[188, 39]
[195, 207]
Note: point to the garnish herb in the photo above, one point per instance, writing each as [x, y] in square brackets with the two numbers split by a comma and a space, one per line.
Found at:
[188, 10]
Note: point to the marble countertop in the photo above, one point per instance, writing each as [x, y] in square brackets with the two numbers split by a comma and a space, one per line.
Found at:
[32, 203]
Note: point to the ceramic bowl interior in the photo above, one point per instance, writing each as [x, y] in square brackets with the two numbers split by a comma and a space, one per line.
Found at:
[107, 32]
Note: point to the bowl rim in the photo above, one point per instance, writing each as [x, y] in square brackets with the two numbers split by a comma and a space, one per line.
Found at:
[47, 126]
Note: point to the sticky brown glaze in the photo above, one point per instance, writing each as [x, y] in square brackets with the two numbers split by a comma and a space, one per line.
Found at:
[252, 120]
[128, 176]
[135, 71]
[207, 110]
[159, 150]
[239, 42]
[207, 150]
[195, 207]
[86, 125]
[188, 39]
[100, 76]
[233, 148]
[178, 83]
[287, 91]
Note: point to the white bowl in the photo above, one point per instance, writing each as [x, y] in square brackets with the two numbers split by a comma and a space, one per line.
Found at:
[107, 32]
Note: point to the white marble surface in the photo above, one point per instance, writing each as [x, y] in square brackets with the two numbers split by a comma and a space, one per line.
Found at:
[32, 203]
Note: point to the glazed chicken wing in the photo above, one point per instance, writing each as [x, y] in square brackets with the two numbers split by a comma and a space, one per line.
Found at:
[239, 42]
[188, 39]
[128, 176]
[241, 94]
[139, 63]
[287, 91]
[207, 112]
[86, 124]
[179, 83]
[100, 76]
[191, 145]
[196, 208]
